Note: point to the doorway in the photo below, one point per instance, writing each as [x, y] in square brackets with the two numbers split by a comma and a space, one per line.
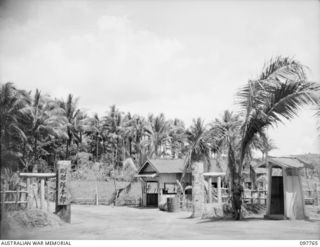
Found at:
[152, 200]
[152, 194]
[277, 196]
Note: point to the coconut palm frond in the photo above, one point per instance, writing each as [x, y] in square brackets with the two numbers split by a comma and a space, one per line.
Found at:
[282, 102]
[283, 68]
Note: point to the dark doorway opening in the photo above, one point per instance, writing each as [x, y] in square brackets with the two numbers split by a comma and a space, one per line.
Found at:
[277, 196]
[152, 200]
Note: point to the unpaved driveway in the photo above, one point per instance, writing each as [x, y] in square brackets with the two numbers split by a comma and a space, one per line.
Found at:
[105, 222]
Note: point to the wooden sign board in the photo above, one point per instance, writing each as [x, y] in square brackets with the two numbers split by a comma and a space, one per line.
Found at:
[63, 180]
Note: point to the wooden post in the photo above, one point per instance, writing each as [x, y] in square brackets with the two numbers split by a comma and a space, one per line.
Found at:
[219, 190]
[42, 193]
[251, 192]
[210, 189]
[269, 189]
[29, 195]
[48, 197]
[315, 196]
[2, 203]
[97, 195]
[17, 199]
[63, 197]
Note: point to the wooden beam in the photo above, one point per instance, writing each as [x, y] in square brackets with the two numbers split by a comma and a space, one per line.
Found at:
[210, 189]
[42, 194]
[37, 175]
[14, 202]
[219, 190]
[29, 198]
[13, 191]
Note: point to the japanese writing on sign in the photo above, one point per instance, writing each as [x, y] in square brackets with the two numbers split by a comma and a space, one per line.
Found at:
[63, 196]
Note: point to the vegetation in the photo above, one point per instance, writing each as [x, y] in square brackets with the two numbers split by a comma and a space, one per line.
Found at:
[36, 130]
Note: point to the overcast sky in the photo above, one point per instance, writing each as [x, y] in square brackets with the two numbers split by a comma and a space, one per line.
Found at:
[186, 59]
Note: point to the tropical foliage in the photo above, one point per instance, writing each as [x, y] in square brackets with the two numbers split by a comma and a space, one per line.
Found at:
[36, 130]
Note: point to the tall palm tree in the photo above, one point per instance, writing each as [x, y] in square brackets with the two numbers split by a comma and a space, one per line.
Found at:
[12, 103]
[71, 113]
[94, 127]
[159, 129]
[135, 130]
[47, 121]
[177, 137]
[277, 95]
[113, 127]
[225, 136]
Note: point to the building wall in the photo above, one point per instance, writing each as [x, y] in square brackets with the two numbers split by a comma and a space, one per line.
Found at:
[165, 178]
[162, 179]
[294, 204]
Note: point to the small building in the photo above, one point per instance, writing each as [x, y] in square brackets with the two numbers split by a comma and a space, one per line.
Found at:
[285, 194]
[160, 179]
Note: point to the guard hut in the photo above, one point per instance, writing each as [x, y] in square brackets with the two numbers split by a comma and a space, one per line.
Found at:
[159, 180]
[285, 194]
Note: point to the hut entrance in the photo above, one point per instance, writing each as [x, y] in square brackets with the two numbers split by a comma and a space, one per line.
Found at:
[152, 194]
[277, 196]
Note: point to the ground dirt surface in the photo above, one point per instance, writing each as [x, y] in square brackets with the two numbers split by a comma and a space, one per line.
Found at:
[106, 223]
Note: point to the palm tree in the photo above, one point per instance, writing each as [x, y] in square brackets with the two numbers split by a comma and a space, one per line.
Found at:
[94, 127]
[177, 137]
[225, 136]
[276, 95]
[114, 130]
[12, 103]
[135, 129]
[47, 121]
[159, 129]
[199, 153]
[71, 113]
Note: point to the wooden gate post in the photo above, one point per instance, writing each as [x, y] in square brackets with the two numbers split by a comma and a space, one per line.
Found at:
[63, 196]
[3, 195]
[42, 193]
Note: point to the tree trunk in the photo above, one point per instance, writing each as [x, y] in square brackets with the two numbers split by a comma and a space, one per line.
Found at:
[67, 149]
[97, 146]
[197, 189]
[130, 147]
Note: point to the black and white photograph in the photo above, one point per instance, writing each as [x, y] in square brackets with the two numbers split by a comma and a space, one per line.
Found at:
[159, 120]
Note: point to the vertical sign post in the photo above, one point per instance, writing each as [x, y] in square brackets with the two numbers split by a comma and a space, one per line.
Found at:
[63, 197]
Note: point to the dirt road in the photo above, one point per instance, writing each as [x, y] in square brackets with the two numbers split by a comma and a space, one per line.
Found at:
[105, 222]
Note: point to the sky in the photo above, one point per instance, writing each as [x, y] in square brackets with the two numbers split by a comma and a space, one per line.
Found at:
[186, 59]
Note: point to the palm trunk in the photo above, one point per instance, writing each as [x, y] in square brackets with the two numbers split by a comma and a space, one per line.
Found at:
[130, 147]
[67, 149]
[97, 146]
[197, 189]
[236, 200]
[35, 166]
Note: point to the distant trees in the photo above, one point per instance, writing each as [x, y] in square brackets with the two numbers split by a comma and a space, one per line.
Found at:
[35, 128]
[12, 124]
